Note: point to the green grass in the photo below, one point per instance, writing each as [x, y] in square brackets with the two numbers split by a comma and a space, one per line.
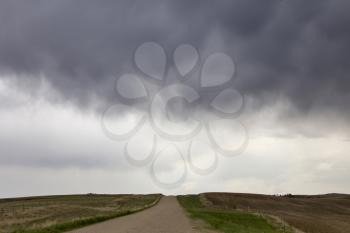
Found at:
[227, 221]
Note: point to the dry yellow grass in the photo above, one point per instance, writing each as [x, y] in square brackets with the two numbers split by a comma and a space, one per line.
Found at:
[39, 212]
[312, 214]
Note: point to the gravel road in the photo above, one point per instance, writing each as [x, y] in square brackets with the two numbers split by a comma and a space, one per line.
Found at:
[165, 217]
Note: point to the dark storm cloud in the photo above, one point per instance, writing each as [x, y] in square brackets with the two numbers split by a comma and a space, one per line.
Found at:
[295, 49]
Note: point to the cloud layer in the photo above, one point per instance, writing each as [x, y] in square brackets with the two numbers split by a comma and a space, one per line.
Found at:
[293, 49]
[59, 60]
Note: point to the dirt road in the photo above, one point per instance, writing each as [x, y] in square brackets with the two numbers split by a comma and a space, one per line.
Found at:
[166, 217]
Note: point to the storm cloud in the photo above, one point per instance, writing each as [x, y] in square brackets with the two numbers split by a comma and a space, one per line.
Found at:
[283, 49]
[60, 59]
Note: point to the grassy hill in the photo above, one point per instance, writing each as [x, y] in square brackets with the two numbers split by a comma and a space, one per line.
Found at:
[51, 214]
[328, 213]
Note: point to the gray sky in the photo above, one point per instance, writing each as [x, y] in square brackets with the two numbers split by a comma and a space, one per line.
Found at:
[59, 62]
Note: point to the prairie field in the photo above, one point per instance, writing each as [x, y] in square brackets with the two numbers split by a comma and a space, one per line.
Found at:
[48, 214]
[312, 214]
[228, 221]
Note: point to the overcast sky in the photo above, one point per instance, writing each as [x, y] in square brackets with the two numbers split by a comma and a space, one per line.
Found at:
[65, 70]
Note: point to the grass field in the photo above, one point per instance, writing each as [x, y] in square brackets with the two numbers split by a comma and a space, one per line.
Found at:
[312, 214]
[53, 214]
[228, 221]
